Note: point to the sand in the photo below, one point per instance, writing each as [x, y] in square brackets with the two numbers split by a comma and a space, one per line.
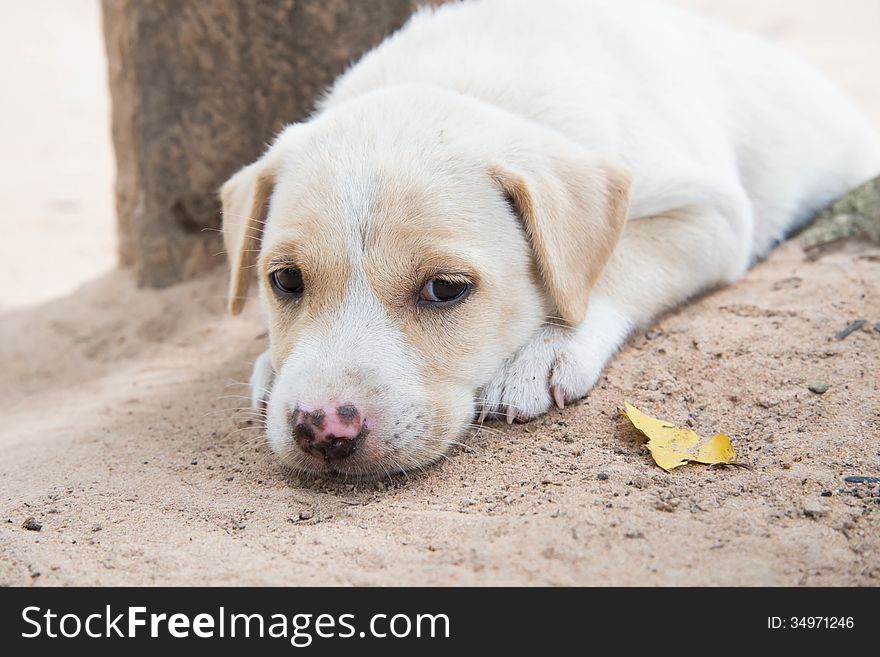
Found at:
[121, 438]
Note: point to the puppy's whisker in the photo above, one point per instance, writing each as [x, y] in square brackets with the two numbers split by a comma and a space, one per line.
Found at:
[247, 397]
[238, 410]
[238, 215]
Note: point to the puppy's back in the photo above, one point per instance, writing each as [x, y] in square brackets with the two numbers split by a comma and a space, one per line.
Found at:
[650, 84]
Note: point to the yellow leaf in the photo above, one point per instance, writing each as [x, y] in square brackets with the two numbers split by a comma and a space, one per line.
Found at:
[672, 446]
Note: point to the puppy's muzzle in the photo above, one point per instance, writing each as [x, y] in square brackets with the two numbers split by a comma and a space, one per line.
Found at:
[331, 434]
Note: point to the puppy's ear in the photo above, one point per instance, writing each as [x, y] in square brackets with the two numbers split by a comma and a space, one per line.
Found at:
[245, 199]
[573, 207]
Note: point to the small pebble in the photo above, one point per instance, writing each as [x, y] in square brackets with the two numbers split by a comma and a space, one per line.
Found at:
[859, 479]
[31, 524]
[306, 515]
[819, 387]
[602, 476]
[813, 508]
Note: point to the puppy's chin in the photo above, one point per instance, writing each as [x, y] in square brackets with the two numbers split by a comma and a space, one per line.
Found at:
[370, 462]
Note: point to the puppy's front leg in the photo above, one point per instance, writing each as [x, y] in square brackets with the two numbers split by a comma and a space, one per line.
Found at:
[660, 262]
[262, 379]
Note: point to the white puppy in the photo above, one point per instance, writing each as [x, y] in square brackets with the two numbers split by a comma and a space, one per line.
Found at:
[489, 202]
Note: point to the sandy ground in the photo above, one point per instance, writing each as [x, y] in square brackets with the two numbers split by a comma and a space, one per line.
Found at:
[56, 158]
[120, 437]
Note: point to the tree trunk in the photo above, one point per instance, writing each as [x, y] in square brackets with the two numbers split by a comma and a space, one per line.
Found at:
[199, 88]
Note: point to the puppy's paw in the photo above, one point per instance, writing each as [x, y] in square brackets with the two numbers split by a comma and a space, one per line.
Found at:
[549, 370]
[262, 379]
[558, 366]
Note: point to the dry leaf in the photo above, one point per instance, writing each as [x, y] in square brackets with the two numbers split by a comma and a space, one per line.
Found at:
[672, 446]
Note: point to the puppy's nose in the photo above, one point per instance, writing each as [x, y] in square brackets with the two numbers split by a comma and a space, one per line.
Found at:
[331, 433]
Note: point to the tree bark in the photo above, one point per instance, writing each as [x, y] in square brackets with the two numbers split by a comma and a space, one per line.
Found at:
[199, 89]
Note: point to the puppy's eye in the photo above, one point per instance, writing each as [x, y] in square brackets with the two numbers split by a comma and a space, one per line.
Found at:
[438, 290]
[287, 281]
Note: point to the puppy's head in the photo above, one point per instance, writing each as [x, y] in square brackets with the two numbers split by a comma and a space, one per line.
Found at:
[406, 244]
